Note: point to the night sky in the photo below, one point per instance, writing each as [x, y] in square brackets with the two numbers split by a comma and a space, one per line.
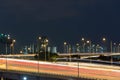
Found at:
[60, 20]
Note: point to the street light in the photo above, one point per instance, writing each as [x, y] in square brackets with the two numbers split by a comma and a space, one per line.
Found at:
[29, 50]
[12, 46]
[24, 78]
[114, 47]
[65, 49]
[77, 47]
[89, 42]
[83, 44]
[45, 45]
[83, 39]
[39, 38]
[104, 40]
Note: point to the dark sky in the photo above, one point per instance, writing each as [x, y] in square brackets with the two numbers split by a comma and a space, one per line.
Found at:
[60, 20]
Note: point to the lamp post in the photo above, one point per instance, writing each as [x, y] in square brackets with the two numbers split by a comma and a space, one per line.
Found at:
[38, 47]
[89, 42]
[65, 48]
[39, 44]
[45, 46]
[83, 45]
[12, 46]
[29, 50]
[77, 47]
[114, 47]
[105, 48]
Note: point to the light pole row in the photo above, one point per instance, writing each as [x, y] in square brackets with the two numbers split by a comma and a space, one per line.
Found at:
[90, 47]
[43, 44]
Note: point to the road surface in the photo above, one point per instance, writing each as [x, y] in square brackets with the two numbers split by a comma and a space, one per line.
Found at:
[60, 69]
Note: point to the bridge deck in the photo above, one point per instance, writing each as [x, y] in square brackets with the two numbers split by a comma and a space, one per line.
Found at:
[59, 69]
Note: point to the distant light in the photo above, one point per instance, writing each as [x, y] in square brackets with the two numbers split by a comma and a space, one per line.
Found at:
[77, 44]
[40, 38]
[24, 78]
[88, 41]
[8, 37]
[83, 39]
[2, 34]
[65, 43]
[104, 39]
[46, 40]
[5, 35]
[14, 41]
[21, 51]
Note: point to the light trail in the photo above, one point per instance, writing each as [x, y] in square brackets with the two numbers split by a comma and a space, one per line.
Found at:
[59, 69]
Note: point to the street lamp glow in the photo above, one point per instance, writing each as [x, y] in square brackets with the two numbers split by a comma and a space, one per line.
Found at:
[24, 78]
[77, 44]
[8, 37]
[14, 41]
[39, 38]
[83, 39]
[88, 41]
[65, 43]
[21, 51]
[104, 39]
[114, 43]
[29, 48]
[46, 40]
[119, 44]
[2, 34]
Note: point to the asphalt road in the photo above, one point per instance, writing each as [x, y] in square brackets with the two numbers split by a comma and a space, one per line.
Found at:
[59, 69]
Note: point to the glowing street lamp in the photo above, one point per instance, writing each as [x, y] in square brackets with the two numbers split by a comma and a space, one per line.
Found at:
[104, 39]
[13, 45]
[83, 39]
[21, 51]
[39, 38]
[65, 43]
[45, 45]
[39, 44]
[104, 47]
[89, 42]
[65, 49]
[77, 47]
[83, 44]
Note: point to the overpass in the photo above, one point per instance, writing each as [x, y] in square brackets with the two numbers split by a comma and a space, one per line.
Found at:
[62, 55]
[35, 70]
[86, 54]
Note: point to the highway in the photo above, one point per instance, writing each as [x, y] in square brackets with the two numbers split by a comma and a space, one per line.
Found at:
[84, 70]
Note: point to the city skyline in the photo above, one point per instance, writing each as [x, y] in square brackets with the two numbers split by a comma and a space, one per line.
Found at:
[60, 20]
